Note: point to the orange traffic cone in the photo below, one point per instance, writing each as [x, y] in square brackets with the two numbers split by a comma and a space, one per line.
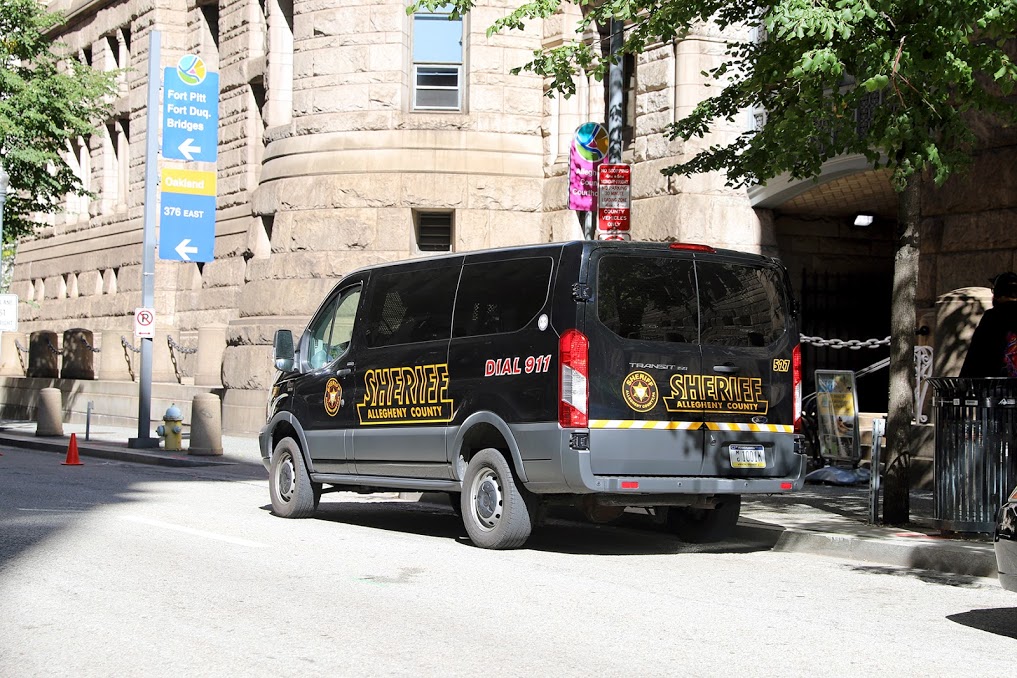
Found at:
[72, 453]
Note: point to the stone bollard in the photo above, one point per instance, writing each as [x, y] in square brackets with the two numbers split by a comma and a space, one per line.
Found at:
[206, 425]
[43, 355]
[211, 347]
[11, 364]
[113, 360]
[49, 413]
[78, 357]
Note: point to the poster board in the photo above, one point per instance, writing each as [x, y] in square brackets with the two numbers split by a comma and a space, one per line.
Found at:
[837, 414]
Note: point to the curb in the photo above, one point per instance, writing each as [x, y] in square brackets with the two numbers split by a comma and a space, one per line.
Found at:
[59, 445]
[925, 553]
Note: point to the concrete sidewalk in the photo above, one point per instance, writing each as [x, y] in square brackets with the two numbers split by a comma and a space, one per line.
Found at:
[821, 519]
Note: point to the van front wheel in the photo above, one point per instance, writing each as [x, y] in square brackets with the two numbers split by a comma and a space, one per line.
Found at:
[700, 526]
[293, 494]
[497, 511]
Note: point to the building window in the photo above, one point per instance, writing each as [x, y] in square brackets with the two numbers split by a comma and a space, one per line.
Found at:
[434, 231]
[437, 60]
[210, 15]
[119, 161]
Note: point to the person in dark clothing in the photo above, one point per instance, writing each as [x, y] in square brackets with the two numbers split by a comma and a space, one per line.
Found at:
[993, 349]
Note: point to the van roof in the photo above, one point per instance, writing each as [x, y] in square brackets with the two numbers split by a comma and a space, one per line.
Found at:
[584, 244]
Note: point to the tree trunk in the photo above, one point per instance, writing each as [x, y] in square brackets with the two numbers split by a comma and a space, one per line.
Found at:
[897, 483]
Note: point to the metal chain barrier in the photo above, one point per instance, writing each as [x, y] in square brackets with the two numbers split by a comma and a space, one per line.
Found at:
[89, 346]
[853, 344]
[128, 349]
[126, 344]
[51, 348]
[22, 352]
[177, 347]
[178, 370]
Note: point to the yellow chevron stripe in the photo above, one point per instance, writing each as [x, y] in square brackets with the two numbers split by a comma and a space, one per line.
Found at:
[757, 428]
[639, 424]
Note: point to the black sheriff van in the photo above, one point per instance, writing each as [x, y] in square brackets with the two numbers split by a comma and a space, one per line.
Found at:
[600, 374]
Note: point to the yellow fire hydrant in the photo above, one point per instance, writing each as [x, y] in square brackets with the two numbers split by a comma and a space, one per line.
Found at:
[172, 430]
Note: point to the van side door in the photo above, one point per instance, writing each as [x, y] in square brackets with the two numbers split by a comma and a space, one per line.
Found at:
[403, 373]
[324, 392]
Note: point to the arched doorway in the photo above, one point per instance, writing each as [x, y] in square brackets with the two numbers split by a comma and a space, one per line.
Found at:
[837, 239]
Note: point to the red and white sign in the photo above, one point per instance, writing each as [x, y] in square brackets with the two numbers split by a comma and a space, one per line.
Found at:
[144, 323]
[614, 200]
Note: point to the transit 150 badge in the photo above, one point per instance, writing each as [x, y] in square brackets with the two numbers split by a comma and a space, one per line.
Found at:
[639, 391]
[333, 396]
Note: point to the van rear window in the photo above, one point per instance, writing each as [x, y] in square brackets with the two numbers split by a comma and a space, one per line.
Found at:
[655, 299]
[649, 299]
[740, 305]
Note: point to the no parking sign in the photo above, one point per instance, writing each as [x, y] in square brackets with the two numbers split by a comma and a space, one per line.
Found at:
[144, 323]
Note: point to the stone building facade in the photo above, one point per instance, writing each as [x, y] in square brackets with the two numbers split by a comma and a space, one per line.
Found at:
[346, 138]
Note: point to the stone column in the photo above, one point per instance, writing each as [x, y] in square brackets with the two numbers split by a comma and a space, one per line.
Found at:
[113, 359]
[211, 348]
[44, 355]
[11, 364]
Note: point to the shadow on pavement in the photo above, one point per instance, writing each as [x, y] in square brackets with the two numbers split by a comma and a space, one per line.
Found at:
[928, 576]
[1001, 621]
[556, 535]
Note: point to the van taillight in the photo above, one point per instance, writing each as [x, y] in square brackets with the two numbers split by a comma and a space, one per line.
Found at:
[796, 376]
[573, 392]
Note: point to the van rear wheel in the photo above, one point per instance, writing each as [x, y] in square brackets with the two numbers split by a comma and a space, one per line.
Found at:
[498, 512]
[700, 526]
[290, 487]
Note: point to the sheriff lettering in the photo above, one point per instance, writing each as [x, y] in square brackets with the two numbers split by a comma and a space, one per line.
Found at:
[712, 393]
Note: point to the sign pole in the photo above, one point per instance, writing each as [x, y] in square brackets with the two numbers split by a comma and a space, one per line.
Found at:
[148, 241]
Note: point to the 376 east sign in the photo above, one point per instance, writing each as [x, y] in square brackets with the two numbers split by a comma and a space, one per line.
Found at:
[500, 367]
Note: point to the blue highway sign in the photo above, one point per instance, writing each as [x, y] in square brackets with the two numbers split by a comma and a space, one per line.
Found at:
[187, 215]
[190, 117]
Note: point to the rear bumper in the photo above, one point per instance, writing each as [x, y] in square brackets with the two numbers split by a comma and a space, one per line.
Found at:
[581, 478]
[578, 476]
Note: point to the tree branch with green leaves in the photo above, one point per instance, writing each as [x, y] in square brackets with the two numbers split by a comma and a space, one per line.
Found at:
[47, 101]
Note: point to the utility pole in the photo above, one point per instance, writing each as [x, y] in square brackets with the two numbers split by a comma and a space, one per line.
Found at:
[615, 82]
[148, 241]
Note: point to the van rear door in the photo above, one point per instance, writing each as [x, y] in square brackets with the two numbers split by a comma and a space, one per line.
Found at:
[748, 335]
[643, 333]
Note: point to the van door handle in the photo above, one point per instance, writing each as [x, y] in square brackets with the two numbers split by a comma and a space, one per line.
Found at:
[726, 368]
[346, 371]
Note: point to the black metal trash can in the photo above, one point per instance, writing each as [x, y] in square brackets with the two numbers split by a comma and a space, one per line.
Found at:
[976, 451]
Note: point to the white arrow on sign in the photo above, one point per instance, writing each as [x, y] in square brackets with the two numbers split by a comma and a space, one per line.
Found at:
[183, 250]
[188, 147]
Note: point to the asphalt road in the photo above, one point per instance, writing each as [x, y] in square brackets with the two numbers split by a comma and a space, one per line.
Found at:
[118, 569]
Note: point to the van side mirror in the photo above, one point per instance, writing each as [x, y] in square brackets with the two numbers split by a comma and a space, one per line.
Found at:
[282, 349]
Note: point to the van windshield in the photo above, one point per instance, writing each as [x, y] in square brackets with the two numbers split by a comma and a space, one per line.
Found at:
[656, 299]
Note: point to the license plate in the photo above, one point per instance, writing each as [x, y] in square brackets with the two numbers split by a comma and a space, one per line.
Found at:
[747, 456]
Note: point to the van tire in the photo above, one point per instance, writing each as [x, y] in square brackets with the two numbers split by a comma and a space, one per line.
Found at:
[701, 526]
[498, 512]
[293, 494]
